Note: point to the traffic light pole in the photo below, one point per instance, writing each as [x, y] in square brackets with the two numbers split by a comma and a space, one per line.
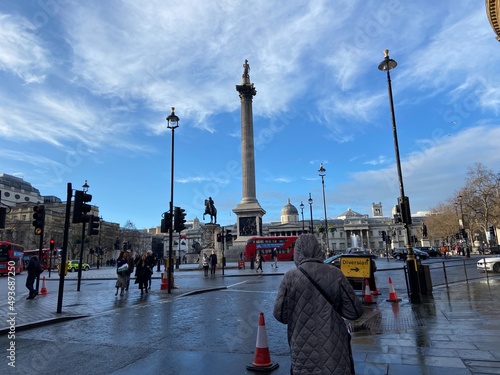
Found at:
[81, 258]
[40, 258]
[62, 266]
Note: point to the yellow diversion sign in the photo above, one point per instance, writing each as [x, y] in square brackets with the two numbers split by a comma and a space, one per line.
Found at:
[356, 266]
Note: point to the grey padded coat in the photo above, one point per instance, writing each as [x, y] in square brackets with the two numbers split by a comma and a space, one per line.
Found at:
[317, 335]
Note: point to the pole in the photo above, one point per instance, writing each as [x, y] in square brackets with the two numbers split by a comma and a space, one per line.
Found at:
[40, 257]
[326, 219]
[62, 266]
[81, 258]
[170, 232]
[223, 254]
[412, 264]
[311, 211]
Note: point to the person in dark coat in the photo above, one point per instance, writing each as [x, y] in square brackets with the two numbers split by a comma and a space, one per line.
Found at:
[33, 269]
[142, 274]
[317, 333]
[212, 260]
[122, 273]
[150, 261]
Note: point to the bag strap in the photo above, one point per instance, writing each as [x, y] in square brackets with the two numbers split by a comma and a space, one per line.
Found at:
[320, 289]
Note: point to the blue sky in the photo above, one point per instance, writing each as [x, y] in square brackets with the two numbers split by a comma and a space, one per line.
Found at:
[86, 87]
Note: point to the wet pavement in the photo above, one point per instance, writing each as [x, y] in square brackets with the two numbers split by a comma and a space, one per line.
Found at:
[454, 331]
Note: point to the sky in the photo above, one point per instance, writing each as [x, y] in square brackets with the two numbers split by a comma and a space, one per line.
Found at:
[86, 88]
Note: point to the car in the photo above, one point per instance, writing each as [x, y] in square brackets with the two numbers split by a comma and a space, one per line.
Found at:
[73, 265]
[489, 264]
[432, 251]
[400, 253]
[335, 259]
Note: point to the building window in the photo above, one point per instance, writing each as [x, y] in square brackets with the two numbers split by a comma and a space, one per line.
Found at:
[7, 194]
[27, 199]
[17, 196]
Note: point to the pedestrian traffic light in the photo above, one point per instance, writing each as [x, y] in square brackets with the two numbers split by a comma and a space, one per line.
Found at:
[39, 219]
[52, 243]
[94, 223]
[3, 217]
[166, 222]
[383, 235]
[219, 237]
[179, 219]
[81, 208]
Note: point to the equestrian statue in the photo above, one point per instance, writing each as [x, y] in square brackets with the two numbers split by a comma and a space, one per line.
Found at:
[210, 210]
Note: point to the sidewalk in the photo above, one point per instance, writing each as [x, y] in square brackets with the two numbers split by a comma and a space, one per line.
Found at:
[453, 332]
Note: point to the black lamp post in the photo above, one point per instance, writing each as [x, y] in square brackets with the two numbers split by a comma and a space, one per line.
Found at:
[322, 173]
[403, 202]
[464, 233]
[310, 201]
[173, 123]
[302, 211]
[85, 188]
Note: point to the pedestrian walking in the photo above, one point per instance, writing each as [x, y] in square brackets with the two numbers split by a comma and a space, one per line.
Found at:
[122, 273]
[212, 260]
[274, 256]
[34, 270]
[313, 301]
[142, 274]
[131, 265]
[258, 262]
[205, 265]
[150, 260]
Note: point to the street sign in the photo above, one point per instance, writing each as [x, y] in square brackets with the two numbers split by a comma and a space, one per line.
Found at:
[356, 267]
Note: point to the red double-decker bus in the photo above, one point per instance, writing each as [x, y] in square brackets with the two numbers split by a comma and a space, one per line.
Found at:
[11, 257]
[284, 246]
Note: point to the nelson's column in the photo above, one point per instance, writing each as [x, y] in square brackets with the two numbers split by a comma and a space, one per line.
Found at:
[248, 212]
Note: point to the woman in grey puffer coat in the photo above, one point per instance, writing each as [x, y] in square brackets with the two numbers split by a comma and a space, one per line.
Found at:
[317, 334]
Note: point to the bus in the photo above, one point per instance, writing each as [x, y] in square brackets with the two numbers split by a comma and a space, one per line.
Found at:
[47, 259]
[284, 246]
[11, 255]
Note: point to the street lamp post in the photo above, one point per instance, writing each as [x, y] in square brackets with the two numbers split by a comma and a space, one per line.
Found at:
[302, 211]
[322, 173]
[173, 123]
[464, 233]
[404, 204]
[310, 201]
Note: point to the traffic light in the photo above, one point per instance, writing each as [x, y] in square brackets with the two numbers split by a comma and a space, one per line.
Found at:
[229, 236]
[404, 210]
[424, 230]
[3, 217]
[39, 219]
[463, 233]
[94, 223]
[384, 236]
[166, 222]
[179, 219]
[52, 244]
[81, 208]
[491, 230]
[457, 236]
[219, 237]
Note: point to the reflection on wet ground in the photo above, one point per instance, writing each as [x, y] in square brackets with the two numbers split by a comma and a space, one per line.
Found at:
[454, 330]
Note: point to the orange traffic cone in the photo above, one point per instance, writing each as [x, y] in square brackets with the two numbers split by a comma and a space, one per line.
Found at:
[43, 291]
[367, 295]
[262, 358]
[393, 297]
[164, 281]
